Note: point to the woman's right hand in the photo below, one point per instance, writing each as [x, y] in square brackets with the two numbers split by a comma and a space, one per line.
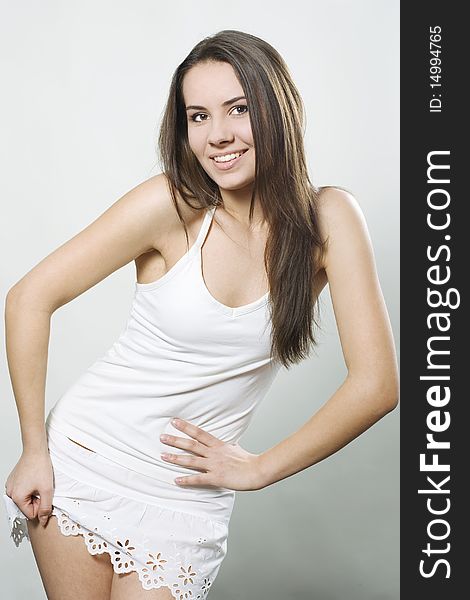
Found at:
[31, 484]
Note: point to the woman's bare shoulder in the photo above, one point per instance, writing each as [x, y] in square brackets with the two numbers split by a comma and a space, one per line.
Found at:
[158, 200]
[342, 221]
[132, 226]
[334, 201]
[338, 213]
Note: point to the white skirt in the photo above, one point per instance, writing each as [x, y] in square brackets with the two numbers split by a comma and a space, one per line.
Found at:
[170, 535]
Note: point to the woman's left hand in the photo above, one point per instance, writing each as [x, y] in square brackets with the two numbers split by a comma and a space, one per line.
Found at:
[221, 464]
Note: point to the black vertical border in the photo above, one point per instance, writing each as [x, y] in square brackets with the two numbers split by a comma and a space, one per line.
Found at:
[422, 132]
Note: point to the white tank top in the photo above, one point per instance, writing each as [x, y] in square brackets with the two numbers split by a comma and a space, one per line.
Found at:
[182, 354]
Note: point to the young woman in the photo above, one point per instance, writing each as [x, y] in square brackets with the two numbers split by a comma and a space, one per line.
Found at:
[232, 245]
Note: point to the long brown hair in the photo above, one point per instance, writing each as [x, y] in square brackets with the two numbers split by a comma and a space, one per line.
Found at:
[287, 197]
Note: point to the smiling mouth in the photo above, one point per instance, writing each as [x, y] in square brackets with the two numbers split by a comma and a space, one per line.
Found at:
[223, 165]
[223, 156]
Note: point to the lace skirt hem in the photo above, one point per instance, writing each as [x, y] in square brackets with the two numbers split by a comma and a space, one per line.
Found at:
[164, 537]
[154, 569]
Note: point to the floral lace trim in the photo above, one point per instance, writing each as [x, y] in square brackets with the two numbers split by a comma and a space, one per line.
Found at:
[19, 530]
[152, 576]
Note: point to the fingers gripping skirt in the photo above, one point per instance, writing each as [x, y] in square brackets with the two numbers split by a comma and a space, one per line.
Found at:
[169, 535]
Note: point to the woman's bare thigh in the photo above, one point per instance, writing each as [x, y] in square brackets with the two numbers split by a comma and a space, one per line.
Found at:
[68, 571]
[126, 586]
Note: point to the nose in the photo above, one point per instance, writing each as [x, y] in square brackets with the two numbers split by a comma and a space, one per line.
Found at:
[220, 132]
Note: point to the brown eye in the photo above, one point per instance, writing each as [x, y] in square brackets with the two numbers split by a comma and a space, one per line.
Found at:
[193, 117]
[242, 106]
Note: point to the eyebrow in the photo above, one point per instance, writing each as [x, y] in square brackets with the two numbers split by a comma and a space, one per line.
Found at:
[226, 103]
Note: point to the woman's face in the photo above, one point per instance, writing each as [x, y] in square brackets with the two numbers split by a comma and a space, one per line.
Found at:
[219, 123]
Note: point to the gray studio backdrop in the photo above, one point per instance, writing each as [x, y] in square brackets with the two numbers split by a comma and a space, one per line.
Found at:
[84, 85]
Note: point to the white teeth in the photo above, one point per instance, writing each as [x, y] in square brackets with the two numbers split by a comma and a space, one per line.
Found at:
[227, 157]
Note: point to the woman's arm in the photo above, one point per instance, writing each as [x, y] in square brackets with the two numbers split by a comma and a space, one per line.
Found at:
[370, 389]
[131, 226]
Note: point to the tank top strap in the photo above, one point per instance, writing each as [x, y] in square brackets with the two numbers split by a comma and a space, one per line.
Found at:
[204, 227]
